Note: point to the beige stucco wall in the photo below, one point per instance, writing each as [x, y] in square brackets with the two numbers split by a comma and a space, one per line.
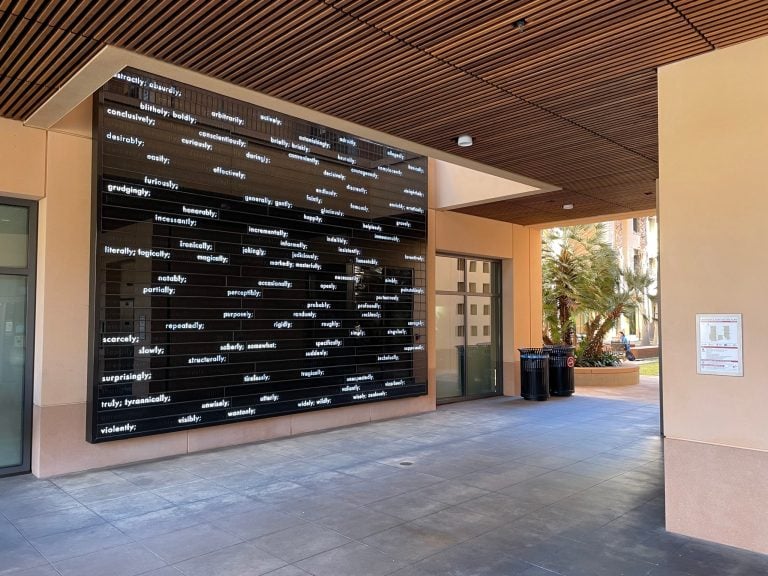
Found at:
[22, 160]
[713, 136]
[55, 167]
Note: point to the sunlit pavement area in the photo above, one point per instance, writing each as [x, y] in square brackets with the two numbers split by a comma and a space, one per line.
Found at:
[570, 486]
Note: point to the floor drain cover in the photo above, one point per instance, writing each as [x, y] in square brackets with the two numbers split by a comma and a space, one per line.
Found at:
[406, 463]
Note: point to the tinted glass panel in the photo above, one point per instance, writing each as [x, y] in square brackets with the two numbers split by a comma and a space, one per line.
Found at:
[449, 274]
[13, 236]
[482, 349]
[450, 345]
[13, 298]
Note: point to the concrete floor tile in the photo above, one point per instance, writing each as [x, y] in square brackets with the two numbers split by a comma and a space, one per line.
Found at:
[244, 559]
[15, 487]
[166, 571]
[257, 522]
[411, 542]
[278, 491]
[157, 522]
[354, 559]
[359, 522]
[128, 506]
[301, 541]
[498, 487]
[18, 554]
[501, 507]
[192, 491]
[289, 571]
[58, 521]
[156, 476]
[78, 542]
[369, 470]
[120, 561]
[51, 500]
[107, 491]
[407, 506]
[450, 492]
[86, 480]
[460, 522]
[220, 507]
[190, 542]
[43, 570]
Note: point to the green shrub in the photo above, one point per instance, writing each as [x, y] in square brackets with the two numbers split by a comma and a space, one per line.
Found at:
[599, 360]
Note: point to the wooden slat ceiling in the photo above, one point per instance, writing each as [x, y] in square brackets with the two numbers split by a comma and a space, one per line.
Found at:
[569, 100]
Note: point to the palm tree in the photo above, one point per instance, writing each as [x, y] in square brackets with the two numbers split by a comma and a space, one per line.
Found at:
[582, 277]
[568, 258]
[602, 302]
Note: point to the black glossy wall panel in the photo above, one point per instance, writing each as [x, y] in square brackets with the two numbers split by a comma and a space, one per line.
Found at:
[247, 263]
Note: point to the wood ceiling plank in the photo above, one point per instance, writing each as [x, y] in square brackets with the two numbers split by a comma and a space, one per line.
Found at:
[571, 100]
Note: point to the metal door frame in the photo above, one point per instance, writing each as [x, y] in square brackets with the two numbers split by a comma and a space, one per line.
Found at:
[29, 332]
[496, 318]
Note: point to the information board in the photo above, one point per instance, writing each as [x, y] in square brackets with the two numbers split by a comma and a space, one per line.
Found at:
[719, 347]
[247, 263]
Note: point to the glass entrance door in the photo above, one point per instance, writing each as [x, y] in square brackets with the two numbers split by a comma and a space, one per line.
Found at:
[468, 333]
[17, 221]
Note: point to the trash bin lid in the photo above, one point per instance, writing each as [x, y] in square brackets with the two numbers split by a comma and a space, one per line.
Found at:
[532, 351]
[560, 349]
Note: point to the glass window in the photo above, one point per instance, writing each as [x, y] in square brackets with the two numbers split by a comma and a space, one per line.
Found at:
[13, 300]
[467, 356]
[449, 273]
[13, 236]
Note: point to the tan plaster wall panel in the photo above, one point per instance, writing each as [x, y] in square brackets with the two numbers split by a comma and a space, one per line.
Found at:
[60, 445]
[22, 160]
[713, 134]
[717, 493]
[713, 125]
[464, 234]
[238, 433]
[65, 255]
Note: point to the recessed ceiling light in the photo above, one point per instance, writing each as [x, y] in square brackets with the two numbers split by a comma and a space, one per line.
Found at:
[519, 24]
[465, 140]
[567, 206]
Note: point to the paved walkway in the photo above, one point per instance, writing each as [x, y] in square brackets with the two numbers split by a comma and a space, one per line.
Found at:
[571, 486]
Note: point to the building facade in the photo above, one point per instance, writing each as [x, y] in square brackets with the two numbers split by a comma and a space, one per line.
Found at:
[713, 128]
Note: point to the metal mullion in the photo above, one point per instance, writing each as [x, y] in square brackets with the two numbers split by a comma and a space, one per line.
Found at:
[464, 376]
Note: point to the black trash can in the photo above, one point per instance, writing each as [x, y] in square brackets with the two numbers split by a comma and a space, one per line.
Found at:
[561, 363]
[534, 372]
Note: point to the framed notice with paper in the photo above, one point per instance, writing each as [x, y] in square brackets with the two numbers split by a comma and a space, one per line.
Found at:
[719, 346]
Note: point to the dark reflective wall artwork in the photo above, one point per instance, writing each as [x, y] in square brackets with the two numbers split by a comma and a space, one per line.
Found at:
[247, 263]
